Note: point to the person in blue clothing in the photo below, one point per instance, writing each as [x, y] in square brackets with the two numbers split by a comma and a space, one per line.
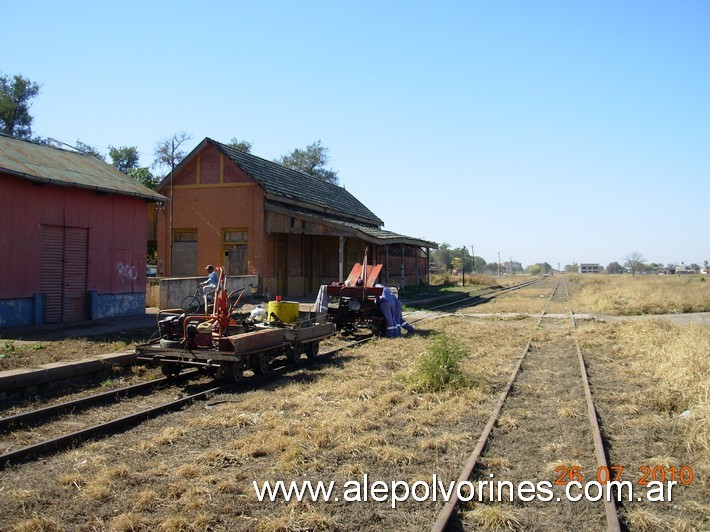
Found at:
[210, 284]
[386, 304]
[401, 322]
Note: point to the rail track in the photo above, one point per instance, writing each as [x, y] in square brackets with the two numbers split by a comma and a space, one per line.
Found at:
[438, 311]
[26, 426]
[13, 428]
[544, 426]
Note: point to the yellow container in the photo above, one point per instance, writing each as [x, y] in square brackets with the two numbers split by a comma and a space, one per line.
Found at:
[287, 311]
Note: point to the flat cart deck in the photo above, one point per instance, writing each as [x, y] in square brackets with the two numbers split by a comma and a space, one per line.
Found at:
[231, 355]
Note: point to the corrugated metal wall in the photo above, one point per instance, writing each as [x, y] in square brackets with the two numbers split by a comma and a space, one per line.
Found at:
[103, 235]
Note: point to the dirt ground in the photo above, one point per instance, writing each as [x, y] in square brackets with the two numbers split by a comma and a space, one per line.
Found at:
[357, 416]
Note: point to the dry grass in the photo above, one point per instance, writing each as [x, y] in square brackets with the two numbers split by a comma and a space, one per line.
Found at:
[446, 279]
[621, 295]
[653, 401]
[674, 364]
[340, 420]
[493, 517]
[357, 414]
[21, 354]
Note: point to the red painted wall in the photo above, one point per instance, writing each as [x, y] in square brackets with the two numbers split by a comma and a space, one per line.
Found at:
[117, 235]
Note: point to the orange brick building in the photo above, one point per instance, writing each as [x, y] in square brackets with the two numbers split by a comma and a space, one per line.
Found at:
[252, 216]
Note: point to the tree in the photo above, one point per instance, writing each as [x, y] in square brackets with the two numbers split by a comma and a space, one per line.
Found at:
[545, 267]
[167, 151]
[572, 268]
[124, 158]
[311, 161]
[634, 262]
[241, 145]
[87, 149]
[614, 267]
[15, 96]
[144, 176]
[534, 269]
[491, 268]
[442, 257]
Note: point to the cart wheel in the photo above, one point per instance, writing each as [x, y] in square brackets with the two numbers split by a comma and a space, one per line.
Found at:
[170, 369]
[230, 371]
[261, 364]
[312, 349]
[293, 354]
[191, 304]
[377, 328]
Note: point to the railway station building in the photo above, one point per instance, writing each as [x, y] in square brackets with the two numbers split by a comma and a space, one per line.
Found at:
[73, 233]
[294, 231]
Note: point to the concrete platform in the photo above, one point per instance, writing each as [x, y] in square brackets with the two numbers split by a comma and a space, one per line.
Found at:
[17, 379]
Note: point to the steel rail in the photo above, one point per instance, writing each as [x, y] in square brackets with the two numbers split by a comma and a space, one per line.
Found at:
[449, 508]
[610, 510]
[612, 517]
[472, 301]
[117, 425]
[24, 418]
[480, 298]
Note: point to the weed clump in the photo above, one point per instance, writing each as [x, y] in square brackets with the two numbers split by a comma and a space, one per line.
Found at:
[437, 368]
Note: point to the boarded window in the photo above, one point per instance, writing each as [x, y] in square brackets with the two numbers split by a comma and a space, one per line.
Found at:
[184, 253]
[234, 247]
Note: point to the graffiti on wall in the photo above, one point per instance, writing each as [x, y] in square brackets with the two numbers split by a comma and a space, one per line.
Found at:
[126, 272]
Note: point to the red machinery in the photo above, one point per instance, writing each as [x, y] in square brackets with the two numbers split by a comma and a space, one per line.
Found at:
[356, 300]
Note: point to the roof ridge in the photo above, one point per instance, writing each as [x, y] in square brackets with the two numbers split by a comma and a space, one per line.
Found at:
[315, 179]
[290, 183]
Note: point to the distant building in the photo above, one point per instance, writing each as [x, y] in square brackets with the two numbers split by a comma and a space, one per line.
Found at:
[682, 269]
[73, 236]
[590, 268]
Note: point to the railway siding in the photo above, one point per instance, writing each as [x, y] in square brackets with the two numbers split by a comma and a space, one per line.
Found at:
[542, 434]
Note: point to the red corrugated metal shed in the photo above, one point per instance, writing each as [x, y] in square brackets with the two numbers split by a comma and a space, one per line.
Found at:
[63, 239]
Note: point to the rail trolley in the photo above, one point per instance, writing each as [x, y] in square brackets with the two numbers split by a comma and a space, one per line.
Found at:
[228, 347]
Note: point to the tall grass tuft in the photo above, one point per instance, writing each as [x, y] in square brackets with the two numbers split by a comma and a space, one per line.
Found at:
[437, 368]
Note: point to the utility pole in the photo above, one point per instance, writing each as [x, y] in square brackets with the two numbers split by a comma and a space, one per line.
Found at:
[473, 254]
[499, 264]
[463, 265]
[172, 196]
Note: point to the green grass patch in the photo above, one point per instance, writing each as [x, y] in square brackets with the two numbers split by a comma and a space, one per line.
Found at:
[437, 368]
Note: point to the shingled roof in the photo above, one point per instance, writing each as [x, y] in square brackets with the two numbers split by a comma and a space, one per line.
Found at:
[297, 187]
[46, 164]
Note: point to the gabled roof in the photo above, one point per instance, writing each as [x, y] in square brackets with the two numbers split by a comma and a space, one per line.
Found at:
[46, 164]
[296, 188]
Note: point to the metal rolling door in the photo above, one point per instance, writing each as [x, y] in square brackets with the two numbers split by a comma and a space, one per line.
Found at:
[75, 261]
[52, 271]
[63, 272]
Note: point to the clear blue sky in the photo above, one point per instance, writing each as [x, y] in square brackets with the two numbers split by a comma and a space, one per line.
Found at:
[553, 131]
